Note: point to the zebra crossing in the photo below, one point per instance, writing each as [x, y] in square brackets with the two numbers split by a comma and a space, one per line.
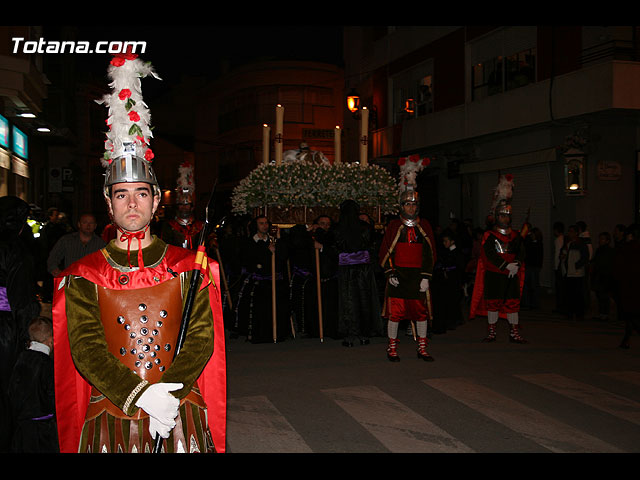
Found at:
[255, 424]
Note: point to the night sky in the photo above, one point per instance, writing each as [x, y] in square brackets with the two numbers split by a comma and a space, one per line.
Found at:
[195, 50]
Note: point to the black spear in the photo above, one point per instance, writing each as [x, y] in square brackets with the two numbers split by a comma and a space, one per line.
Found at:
[191, 294]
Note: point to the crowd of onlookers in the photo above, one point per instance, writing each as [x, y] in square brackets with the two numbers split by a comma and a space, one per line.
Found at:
[606, 265]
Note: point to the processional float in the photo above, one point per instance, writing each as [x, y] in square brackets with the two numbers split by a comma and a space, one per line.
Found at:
[298, 186]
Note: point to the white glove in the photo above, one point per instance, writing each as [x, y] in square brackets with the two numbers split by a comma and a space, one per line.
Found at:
[159, 403]
[393, 281]
[513, 269]
[424, 285]
[158, 428]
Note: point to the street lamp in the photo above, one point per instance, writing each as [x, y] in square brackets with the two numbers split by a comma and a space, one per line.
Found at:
[353, 101]
[574, 174]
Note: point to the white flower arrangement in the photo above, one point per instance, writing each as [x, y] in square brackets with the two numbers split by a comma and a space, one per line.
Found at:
[305, 184]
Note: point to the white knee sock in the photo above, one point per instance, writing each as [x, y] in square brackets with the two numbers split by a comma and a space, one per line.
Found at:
[392, 329]
[512, 318]
[492, 317]
[421, 329]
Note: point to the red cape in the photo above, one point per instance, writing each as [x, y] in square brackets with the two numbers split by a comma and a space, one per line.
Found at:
[477, 306]
[72, 391]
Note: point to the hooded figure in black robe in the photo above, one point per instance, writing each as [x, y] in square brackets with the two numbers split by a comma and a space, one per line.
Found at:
[359, 306]
[303, 290]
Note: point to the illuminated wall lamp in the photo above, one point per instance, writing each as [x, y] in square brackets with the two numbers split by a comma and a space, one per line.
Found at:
[353, 101]
[574, 175]
[410, 106]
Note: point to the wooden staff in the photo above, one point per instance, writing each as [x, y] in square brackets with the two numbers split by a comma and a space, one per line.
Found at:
[429, 303]
[273, 291]
[293, 328]
[319, 289]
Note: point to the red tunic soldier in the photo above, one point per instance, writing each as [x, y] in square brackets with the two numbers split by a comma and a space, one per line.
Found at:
[117, 314]
[500, 272]
[407, 254]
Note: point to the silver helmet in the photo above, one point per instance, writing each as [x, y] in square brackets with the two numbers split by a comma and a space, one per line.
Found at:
[409, 197]
[503, 215]
[130, 168]
[501, 206]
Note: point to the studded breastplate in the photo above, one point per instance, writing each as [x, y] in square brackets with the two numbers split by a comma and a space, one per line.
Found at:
[141, 326]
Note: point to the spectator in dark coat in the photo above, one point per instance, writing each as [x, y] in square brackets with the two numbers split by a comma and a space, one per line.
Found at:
[533, 265]
[448, 280]
[601, 274]
[575, 258]
[32, 394]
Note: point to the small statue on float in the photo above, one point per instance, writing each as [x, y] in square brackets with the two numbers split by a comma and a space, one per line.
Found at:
[305, 154]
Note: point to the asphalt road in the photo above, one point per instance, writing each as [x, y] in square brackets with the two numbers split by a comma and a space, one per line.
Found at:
[570, 389]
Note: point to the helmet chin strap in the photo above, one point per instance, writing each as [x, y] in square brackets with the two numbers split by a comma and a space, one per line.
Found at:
[129, 236]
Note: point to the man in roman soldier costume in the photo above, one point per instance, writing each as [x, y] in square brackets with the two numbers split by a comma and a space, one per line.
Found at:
[407, 254]
[500, 272]
[117, 314]
[183, 230]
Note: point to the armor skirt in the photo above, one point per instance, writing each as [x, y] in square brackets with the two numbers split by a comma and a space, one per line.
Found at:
[108, 432]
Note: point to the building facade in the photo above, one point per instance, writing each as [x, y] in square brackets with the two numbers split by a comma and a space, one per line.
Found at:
[557, 107]
[23, 89]
[232, 111]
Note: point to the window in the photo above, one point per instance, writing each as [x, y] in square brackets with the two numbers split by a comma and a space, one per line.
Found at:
[520, 69]
[500, 74]
[502, 60]
[486, 78]
[413, 93]
[424, 100]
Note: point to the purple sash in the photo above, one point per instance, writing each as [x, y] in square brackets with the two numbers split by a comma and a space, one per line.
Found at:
[353, 258]
[259, 277]
[4, 301]
[46, 417]
[301, 272]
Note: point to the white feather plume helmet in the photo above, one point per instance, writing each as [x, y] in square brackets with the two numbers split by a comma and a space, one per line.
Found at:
[410, 167]
[129, 119]
[127, 156]
[185, 184]
[503, 193]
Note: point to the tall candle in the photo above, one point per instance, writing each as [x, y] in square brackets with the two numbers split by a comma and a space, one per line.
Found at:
[364, 132]
[266, 134]
[279, 129]
[337, 145]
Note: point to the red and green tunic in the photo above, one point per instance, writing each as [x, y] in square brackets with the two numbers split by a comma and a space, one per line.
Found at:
[494, 290]
[96, 383]
[408, 252]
